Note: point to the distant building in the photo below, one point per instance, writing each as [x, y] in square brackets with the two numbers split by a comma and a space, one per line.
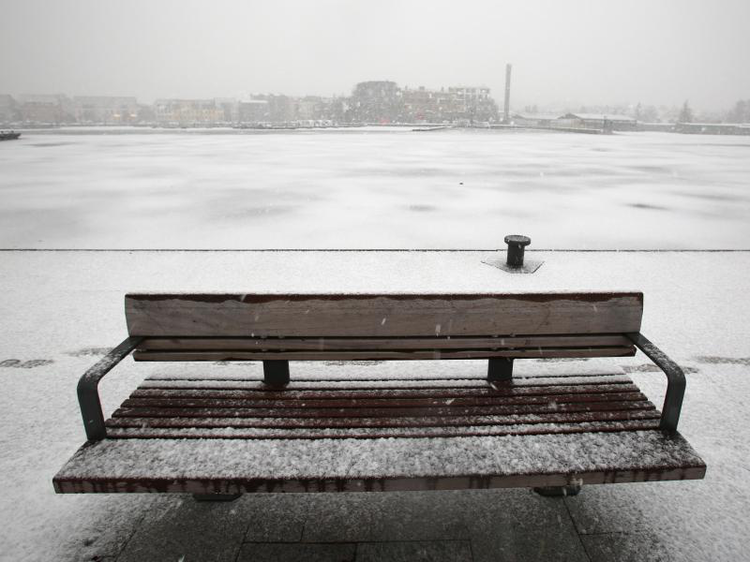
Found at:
[421, 105]
[657, 127]
[187, 112]
[44, 109]
[473, 103]
[385, 102]
[535, 119]
[281, 108]
[230, 109]
[253, 111]
[146, 114]
[712, 128]
[598, 121]
[8, 109]
[107, 110]
[331, 109]
[375, 102]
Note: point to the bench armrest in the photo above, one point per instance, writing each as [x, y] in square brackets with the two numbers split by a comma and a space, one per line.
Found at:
[88, 388]
[670, 412]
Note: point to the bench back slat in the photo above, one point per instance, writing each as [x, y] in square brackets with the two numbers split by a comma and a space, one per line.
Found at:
[384, 316]
[374, 355]
[361, 344]
[226, 349]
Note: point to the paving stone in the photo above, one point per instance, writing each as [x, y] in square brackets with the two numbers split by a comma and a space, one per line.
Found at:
[394, 516]
[626, 547]
[275, 517]
[103, 525]
[673, 514]
[611, 508]
[300, 552]
[189, 531]
[415, 551]
[520, 525]
[645, 506]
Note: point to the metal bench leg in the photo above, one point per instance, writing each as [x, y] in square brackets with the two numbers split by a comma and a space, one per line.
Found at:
[500, 369]
[276, 372]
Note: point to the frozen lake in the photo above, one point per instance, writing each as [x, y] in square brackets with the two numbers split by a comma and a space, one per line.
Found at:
[381, 188]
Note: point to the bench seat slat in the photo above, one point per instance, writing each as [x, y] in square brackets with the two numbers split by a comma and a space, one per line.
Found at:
[346, 394]
[375, 412]
[375, 402]
[420, 421]
[374, 355]
[337, 465]
[379, 432]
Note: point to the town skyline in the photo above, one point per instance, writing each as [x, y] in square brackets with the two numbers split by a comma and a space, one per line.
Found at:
[564, 53]
[375, 101]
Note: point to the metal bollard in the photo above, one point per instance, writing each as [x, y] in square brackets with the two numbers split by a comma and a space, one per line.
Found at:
[514, 260]
[516, 244]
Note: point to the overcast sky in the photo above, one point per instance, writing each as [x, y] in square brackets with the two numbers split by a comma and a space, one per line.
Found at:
[563, 52]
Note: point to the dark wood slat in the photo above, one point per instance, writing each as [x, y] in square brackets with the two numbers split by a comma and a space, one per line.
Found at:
[693, 469]
[335, 315]
[258, 386]
[375, 402]
[231, 355]
[191, 376]
[391, 344]
[148, 465]
[263, 392]
[351, 433]
[374, 412]
[420, 421]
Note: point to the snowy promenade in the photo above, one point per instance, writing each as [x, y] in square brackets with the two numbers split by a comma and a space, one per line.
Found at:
[61, 310]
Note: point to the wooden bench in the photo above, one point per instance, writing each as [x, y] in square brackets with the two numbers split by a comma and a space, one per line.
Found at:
[217, 436]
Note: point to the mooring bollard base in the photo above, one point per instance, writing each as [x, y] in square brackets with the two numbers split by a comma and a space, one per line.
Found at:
[529, 266]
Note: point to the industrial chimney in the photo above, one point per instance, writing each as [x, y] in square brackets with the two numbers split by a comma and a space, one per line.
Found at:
[506, 116]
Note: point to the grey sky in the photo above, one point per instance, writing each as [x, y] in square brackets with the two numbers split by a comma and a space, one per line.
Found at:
[564, 52]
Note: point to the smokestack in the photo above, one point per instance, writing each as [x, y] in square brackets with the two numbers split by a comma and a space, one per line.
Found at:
[506, 117]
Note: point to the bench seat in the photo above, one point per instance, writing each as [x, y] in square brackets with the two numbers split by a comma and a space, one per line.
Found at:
[225, 436]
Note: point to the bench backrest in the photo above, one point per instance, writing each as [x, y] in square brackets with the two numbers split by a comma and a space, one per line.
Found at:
[212, 327]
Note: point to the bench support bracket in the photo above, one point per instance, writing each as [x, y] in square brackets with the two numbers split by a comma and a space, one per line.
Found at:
[88, 388]
[670, 412]
[276, 372]
[500, 369]
[559, 491]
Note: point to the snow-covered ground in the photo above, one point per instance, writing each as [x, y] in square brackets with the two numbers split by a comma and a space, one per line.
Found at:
[374, 188]
[61, 310]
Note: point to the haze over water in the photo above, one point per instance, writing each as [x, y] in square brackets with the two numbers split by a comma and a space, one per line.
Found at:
[376, 188]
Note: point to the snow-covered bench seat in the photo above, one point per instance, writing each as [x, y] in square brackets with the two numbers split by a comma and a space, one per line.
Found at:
[213, 435]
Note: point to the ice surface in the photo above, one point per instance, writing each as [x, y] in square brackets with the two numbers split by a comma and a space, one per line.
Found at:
[385, 188]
